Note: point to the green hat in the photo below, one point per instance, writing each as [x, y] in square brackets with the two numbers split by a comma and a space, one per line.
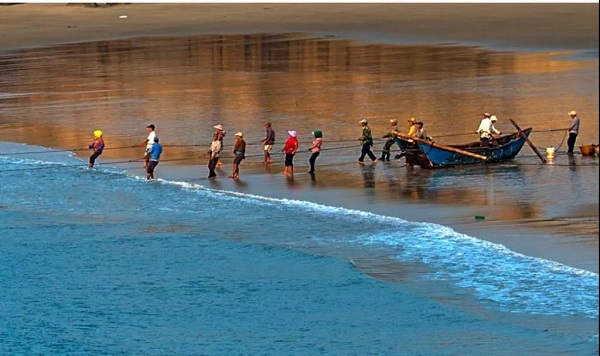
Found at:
[318, 133]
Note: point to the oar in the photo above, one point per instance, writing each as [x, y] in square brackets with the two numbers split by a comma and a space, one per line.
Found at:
[447, 148]
[528, 141]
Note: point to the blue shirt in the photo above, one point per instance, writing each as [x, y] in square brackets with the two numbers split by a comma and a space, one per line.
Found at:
[155, 151]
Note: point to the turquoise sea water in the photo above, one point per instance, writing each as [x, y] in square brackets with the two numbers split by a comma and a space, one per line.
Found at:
[101, 262]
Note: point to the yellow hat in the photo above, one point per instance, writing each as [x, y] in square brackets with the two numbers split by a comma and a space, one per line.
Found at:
[412, 119]
[240, 134]
[97, 133]
[573, 113]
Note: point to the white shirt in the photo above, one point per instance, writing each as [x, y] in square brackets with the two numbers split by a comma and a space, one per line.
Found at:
[150, 139]
[486, 128]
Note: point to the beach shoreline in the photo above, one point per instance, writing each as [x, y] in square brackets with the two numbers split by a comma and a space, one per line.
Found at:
[37, 25]
[506, 26]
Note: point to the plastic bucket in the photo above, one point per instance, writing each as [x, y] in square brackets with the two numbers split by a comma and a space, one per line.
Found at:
[550, 152]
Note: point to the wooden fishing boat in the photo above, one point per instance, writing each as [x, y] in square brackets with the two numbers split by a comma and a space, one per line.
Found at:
[430, 154]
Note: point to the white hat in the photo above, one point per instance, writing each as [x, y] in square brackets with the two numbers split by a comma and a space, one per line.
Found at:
[394, 121]
[218, 127]
[364, 121]
[573, 113]
[240, 134]
[486, 114]
[292, 133]
[493, 118]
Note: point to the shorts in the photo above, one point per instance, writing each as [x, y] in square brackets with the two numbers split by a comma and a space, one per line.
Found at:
[151, 167]
[238, 159]
[268, 148]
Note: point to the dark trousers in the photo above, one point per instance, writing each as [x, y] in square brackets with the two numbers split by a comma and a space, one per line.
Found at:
[485, 142]
[212, 164]
[571, 141]
[94, 156]
[385, 152]
[366, 151]
[312, 160]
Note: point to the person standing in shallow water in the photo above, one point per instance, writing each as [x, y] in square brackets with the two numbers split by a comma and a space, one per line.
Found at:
[391, 136]
[573, 131]
[154, 156]
[268, 143]
[148, 142]
[215, 150]
[98, 146]
[367, 142]
[239, 150]
[220, 132]
[290, 148]
[315, 149]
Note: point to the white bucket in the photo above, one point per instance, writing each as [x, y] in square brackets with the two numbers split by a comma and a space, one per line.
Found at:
[550, 152]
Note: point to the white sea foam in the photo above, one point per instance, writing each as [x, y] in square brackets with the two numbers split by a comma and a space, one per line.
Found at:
[512, 281]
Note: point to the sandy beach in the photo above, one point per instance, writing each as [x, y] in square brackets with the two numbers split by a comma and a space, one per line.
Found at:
[379, 258]
[557, 26]
[553, 27]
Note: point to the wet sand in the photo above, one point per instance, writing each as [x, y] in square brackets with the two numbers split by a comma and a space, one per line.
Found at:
[559, 26]
[532, 26]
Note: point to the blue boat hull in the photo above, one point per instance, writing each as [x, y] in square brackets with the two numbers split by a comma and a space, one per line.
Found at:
[429, 155]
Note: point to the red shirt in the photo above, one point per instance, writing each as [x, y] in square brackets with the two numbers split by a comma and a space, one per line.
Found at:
[291, 145]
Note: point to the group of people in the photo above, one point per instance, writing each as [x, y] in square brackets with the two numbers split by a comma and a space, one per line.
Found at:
[153, 149]
[488, 133]
[290, 149]
[415, 129]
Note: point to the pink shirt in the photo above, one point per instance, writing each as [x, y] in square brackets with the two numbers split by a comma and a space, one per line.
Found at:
[316, 145]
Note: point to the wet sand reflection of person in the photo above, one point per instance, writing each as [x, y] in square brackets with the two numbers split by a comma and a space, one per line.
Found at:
[368, 173]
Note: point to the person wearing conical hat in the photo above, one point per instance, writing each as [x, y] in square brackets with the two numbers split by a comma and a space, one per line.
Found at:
[98, 146]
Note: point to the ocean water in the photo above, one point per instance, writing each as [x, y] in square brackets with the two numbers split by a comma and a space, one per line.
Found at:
[103, 262]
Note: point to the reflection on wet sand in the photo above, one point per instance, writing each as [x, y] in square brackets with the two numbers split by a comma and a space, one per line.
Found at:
[56, 96]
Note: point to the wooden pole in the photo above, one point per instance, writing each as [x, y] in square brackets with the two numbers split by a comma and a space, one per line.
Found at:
[528, 141]
[447, 148]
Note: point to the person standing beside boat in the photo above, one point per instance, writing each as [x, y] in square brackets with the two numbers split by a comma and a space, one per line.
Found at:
[412, 132]
[487, 130]
[391, 136]
[367, 141]
[421, 133]
[98, 146]
[412, 127]
[573, 131]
